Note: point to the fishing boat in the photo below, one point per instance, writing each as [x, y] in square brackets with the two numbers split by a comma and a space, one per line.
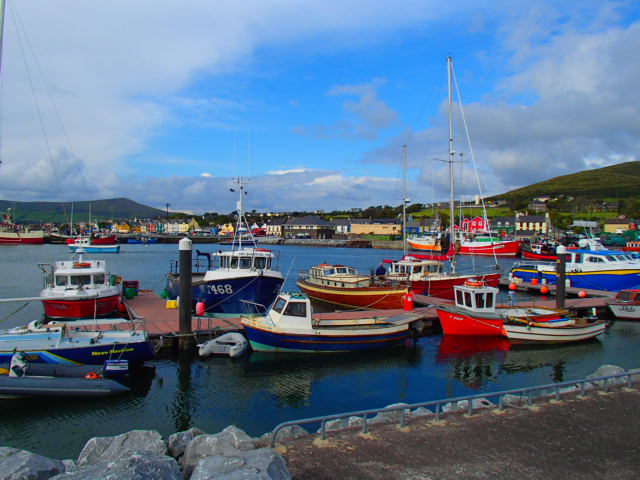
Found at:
[93, 239]
[231, 344]
[626, 304]
[230, 277]
[539, 251]
[429, 277]
[602, 269]
[578, 330]
[429, 242]
[344, 286]
[489, 244]
[87, 245]
[14, 234]
[79, 288]
[475, 312]
[290, 326]
[21, 379]
[77, 343]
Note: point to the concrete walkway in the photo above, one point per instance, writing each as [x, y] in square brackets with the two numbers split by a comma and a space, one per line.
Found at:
[596, 436]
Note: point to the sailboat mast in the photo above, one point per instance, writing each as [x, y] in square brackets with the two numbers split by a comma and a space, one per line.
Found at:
[404, 199]
[452, 154]
[2, 5]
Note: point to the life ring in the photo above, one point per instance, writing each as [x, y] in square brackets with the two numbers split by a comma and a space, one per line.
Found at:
[92, 376]
[81, 264]
[473, 283]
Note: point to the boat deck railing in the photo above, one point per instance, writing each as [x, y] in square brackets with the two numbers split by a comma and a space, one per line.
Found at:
[527, 394]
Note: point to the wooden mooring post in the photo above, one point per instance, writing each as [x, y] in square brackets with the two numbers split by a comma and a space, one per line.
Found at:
[561, 286]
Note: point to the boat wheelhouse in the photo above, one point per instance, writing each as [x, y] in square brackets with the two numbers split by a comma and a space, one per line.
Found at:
[626, 304]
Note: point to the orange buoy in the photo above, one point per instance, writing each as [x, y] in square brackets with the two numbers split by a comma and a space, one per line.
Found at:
[92, 376]
[200, 309]
[582, 294]
[512, 286]
[544, 290]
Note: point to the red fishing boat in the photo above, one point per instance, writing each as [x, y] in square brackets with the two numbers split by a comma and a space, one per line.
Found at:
[487, 244]
[14, 234]
[79, 288]
[475, 312]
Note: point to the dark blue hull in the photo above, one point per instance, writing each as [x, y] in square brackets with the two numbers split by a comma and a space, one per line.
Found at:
[226, 296]
[136, 353]
[264, 341]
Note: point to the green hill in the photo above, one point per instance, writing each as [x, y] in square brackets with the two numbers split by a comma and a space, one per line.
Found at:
[58, 212]
[614, 182]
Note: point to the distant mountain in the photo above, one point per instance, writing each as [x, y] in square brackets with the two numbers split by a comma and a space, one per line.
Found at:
[59, 212]
[617, 181]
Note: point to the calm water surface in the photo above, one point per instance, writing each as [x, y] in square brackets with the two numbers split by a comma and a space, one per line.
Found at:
[261, 390]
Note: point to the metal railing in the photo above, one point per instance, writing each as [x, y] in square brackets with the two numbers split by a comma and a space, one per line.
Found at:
[528, 394]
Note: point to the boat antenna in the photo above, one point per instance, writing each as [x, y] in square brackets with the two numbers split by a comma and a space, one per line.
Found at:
[404, 200]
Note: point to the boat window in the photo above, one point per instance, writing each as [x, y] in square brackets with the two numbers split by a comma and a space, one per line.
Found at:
[279, 305]
[268, 263]
[624, 295]
[78, 280]
[260, 262]
[61, 281]
[417, 269]
[596, 260]
[341, 270]
[467, 299]
[577, 258]
[245, 263]
[98, 279]
[224, 262]
[489, 303]
[234, 262]
[296, 309]
[459, 297]
[479, 300]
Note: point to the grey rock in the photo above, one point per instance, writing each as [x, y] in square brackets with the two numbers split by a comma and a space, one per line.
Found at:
[18, 464]
[252, 464]
[179, 441]
[287, 433]
[110, 448]
[144, 465]
[69, 465]
[604, 370]
[229, 442]
[514, 401]
[421, 412]
[476, 404]
[394, 415]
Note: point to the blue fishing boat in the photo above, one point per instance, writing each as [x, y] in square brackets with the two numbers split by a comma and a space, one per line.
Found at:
[600, 269]
[290, 326]
[80, 343]
[223, 280]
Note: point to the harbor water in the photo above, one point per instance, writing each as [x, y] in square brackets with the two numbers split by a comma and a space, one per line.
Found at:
[259, 391]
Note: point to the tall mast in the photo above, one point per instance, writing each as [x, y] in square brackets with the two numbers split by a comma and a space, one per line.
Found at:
[404, 199]
[452, 153]
[2, 5]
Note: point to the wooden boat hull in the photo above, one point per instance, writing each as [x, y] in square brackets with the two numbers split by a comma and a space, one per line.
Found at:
[541, 334]
[443, 287]
[625, 311]
[381, 298]
[86, 308]
[455, 321]
[322, 340]
[507, 248]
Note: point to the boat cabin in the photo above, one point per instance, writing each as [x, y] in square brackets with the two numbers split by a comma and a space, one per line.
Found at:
[630, 295]
[414, 269]
[291, 310]
[337, 276]
[476, 295]
[68, 275]
[595, 258]
[243, 259]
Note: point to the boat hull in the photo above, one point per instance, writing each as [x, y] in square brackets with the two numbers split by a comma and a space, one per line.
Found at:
[27, 238]
[263, 340]
[46, 348]
[381, 298]
[625, 311]
[610, 280]
[535, 334]
[509, 248]
[443, 287]
[528, 254]
[227, 296]
[424, 245]
[96, 248]
[29, 386]
[74, 309]
[456, 322]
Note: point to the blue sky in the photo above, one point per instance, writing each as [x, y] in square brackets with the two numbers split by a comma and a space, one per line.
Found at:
[164, 102]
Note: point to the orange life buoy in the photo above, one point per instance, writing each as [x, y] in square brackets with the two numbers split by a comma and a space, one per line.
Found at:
[82, 265]
[473, 283]
[92, 376]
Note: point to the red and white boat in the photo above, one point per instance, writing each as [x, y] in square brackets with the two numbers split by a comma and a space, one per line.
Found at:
[626, 304]
[475, 312]
[13, 234]
[93, 240]
[430, 242]
[76, 289]
[487, 244]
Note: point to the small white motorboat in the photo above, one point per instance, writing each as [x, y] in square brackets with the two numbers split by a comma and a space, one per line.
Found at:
[233, 344]
[551, 332]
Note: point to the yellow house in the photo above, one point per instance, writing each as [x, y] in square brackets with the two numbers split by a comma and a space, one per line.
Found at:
[616, 225]
[227, 229]
[375, 228]
[122, 227]
[193, 225]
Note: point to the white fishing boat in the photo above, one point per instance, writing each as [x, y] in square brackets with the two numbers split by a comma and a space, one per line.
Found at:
[548, 332]
[626, 304]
